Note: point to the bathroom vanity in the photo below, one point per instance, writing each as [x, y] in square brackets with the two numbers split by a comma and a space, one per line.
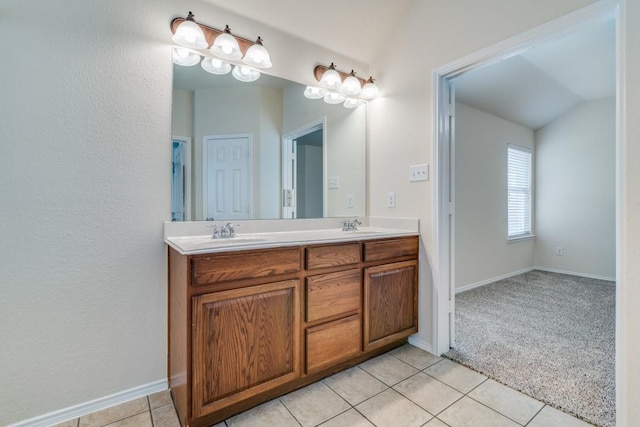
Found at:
[251, 321]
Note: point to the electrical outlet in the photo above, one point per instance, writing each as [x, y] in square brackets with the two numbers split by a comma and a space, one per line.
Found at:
[559, 251]
[419, 173]
[334, 182]
[349, 201]
[391, 200]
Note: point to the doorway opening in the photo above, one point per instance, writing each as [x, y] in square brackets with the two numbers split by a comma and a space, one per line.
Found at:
[445, 208]
[304, 172]
[181, 179]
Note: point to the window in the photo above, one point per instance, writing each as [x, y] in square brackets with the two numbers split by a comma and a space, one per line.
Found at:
[518, 191]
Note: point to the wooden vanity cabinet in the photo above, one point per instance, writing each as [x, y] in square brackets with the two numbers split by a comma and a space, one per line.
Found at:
[247, 326]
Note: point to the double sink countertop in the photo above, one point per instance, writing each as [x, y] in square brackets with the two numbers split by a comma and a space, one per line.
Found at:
[192, 238]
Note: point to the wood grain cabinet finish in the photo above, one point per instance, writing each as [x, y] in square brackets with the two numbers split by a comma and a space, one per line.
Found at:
[245, 341]
[333, 294]
[390, 303]
[248, 326]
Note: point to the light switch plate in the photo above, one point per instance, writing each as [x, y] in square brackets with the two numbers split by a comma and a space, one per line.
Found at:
[419, 173]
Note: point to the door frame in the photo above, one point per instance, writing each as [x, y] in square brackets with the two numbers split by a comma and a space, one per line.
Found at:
[188, 177]
[443, 292]
[287, 142]
[206, 138]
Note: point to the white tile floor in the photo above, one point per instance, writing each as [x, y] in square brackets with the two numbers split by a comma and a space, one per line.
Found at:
[406, 387]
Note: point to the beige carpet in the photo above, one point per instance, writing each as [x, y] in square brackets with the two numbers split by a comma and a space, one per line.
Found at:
[549, 335]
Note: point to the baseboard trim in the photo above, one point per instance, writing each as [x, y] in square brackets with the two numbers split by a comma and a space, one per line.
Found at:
[85, 408]
[494, 279]
[573, 273]
[415, 341]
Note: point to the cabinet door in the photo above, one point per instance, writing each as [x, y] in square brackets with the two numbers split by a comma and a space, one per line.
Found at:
[245, 341]
[390, 303]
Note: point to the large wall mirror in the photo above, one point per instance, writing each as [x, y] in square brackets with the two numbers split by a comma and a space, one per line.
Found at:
[262, 150]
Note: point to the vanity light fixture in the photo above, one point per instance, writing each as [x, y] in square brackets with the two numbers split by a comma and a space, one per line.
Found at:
[225, 49]
[183, 56]
[215, 66]
[225, 46]
[189, 34]
[245, 73]
[370, 90]
[336, 87]
[257, 55]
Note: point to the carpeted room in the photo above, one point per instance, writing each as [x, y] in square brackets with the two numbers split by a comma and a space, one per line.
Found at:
[565, 350]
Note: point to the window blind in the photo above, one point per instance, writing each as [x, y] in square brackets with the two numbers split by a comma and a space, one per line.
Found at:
[519, 191]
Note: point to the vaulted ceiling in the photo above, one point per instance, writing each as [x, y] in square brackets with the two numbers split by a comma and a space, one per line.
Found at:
[530, 89]
[541, 84]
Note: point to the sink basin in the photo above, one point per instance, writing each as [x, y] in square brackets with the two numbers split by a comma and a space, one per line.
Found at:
[362, 232]
[193, 243]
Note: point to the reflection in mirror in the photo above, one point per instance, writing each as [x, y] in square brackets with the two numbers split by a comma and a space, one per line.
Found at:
[262, 150]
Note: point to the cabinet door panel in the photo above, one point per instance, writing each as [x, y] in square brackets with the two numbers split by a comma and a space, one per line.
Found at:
[245, 341]
[391, 307]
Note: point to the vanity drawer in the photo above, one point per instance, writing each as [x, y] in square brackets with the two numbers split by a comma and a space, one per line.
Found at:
[229, 266]
[332, 294]
[332, 342]
[392, 248]
[332, 255]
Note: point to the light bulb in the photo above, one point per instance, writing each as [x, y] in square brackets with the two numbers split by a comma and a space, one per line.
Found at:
[353, 102]
[331, 79]
[215, 66]
[245, 74]
[185, 57]
[313, 92]
[370, 90]
[257, 55]
[226, 46]
[334, 98]
[351, 85]
[189, 34]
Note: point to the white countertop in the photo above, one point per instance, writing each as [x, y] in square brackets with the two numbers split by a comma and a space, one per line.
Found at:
[202, 244]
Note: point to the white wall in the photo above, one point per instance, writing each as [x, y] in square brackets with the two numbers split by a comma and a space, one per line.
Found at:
[182, 113]
[345, 134]
[482, 250]
[85, 167]
[401, 130]
[270, 194]
[575, 191]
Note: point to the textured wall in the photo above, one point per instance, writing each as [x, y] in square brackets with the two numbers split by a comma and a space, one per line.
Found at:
[576, 191]
[482, 250]
[85, 175]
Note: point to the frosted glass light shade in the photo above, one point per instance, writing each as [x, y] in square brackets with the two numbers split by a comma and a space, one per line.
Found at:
[353, 102]
[257, 56]
[226, 46]
[370, 90]
[245, 74]
[185, 57]
[331, 79]
[334, 98]
[351, 85]
[313, 92]
[215, 66]
[189, 34]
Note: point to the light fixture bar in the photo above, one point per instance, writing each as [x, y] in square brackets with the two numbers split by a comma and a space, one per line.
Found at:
[210, 34]
[320, 69]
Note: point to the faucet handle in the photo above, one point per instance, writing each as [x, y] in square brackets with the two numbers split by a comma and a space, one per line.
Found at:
[230, 227]
[216, 232]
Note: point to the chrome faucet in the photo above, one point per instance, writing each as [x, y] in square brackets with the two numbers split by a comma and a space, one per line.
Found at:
[224, 231]
[351, 225]
[228, 231]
